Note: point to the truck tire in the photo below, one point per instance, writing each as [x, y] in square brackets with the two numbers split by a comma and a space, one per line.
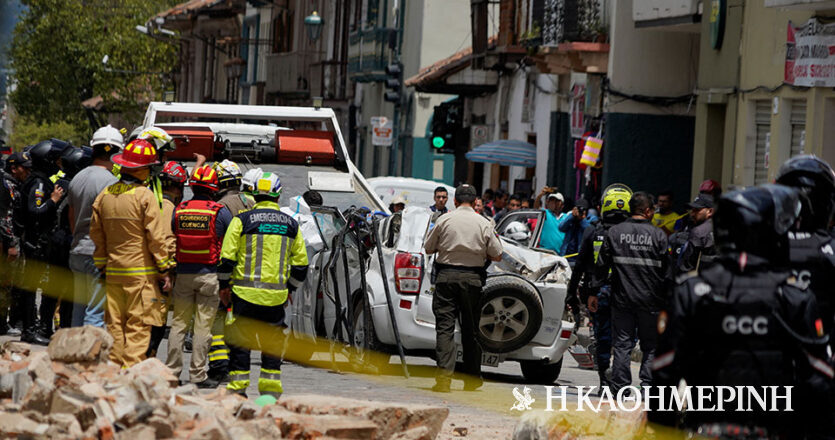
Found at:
[537, 372]
[510, 314]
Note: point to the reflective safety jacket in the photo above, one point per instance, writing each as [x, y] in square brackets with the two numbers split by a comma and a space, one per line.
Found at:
[263, 255]
[128, 230]
[194, 226]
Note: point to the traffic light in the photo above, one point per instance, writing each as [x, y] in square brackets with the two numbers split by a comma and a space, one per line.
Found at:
[394, 81]
[446, 122]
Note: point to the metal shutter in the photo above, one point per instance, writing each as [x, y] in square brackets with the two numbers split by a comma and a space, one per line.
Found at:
[762, 121]
[798, 122]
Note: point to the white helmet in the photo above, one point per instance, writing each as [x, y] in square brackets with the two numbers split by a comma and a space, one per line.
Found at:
[250, 178]
[157, 136]
[517, 231]
[268, 184]
[108, 135]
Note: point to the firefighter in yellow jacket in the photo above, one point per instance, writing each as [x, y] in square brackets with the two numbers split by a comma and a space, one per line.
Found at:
[264, 257]
[132, 251]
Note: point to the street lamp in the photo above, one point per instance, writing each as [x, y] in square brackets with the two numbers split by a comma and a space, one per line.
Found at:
[313, 23]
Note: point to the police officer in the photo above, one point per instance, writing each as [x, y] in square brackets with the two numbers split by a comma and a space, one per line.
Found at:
[230, 195]
[812, 247]
[635, 252]
[17, 169]
[464, 241]
[614, 210]
[747, 321]
[693, 247]
[199, 225]
[131, 249]
[259, 286]
[39, 205]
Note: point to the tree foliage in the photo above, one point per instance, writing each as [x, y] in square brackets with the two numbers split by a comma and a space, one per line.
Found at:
[57, 53]
[28, 132]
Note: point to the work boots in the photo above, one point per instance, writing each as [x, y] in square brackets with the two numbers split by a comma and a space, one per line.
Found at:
[33, 336]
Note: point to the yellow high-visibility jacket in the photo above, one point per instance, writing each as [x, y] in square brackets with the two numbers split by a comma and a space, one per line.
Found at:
[263, 254]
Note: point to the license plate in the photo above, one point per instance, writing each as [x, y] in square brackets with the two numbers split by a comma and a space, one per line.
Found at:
[488, 359]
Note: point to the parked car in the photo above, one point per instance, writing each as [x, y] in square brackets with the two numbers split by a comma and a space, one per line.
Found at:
[416, 192]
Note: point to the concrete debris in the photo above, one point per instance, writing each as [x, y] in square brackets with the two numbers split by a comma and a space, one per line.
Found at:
[80, 344]
[581, 425]
[460, 431]
[72, 390]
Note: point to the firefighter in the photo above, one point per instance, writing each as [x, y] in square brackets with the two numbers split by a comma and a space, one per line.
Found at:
[172, 178]
[259, 286]
[128, 230]
[199, 225]
[230, 196]
[38, 213]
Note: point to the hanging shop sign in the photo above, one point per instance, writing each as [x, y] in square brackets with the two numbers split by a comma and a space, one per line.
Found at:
[810, 54]
[717, 23]
[381, 130]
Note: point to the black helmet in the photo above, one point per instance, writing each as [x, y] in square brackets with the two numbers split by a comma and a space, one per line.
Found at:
[816, 181]
[45, 155]
[756, 220]
[74, 160]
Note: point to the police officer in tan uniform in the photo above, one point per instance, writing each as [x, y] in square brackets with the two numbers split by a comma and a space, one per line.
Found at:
[464, 242]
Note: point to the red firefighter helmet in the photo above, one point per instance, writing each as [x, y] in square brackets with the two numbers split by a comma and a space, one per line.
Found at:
[205, 177]
[137, 154]
[174, 172]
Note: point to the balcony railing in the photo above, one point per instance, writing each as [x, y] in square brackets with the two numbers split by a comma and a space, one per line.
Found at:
[569, 21]
[290, 72]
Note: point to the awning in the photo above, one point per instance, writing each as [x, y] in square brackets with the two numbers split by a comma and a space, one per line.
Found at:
[505, 152]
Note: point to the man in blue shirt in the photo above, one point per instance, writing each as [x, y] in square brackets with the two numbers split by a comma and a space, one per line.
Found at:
[551, 237]
[573, 225]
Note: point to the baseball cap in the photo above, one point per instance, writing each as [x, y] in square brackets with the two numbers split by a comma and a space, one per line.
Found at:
[557, 196]
[466, 189]
[701, 201]
[20, 159]
[398, 200]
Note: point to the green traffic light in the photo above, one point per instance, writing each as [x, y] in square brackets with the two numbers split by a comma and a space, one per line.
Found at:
[438, 142]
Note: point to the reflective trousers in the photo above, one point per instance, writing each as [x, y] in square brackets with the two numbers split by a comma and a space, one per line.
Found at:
[255, 327]
[133, 307]
[218, 351]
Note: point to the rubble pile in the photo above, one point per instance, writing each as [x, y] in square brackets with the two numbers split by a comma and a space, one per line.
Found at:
[609, 423]
[71, 390]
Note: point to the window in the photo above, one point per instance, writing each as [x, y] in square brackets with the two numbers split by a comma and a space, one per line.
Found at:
[798, 124]
[283, 31]
[762, 127]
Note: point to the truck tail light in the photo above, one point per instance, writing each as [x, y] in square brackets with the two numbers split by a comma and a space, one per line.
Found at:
[408, 272]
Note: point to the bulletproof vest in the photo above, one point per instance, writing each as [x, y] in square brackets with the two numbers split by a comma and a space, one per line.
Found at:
[812, 256]
[599, 235]
[58, 252]
[38, 228]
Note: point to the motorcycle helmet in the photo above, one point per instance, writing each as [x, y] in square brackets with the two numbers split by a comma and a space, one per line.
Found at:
[815, 180]
[74, 160]
[517, 231]
[615, 203]
[756, 221]
[45, 155]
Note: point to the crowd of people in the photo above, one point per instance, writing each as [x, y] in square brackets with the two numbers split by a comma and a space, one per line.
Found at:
[105, 235]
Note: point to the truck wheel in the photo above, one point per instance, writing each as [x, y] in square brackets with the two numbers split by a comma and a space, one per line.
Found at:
[540, 373]
[369, 352]
[511, 314]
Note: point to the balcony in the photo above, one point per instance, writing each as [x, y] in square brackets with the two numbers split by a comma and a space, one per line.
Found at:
[367, 54]
[327, 80]
[573, 38]
[674, 15]
[809, 5]
[288, 73]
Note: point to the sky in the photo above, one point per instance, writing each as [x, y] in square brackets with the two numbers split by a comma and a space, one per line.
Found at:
[9, 10]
